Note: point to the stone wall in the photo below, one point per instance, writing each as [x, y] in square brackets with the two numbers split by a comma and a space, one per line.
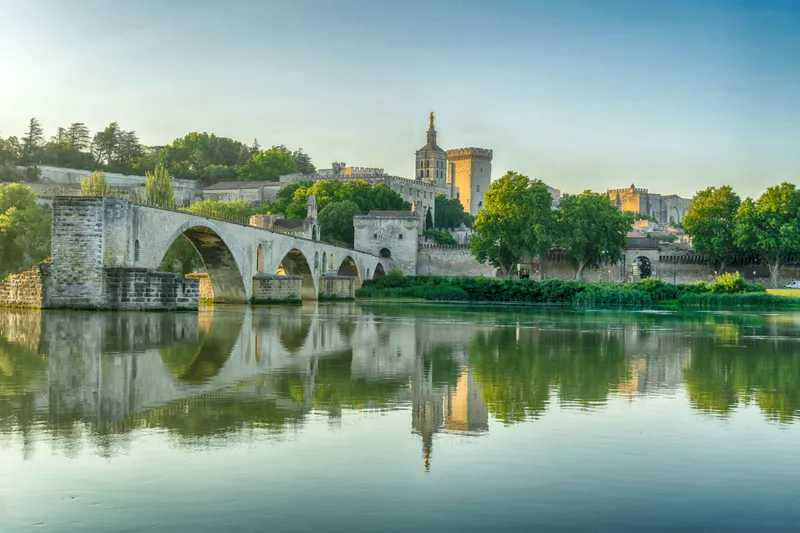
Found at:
[450, 260]
[338, 287]
[141, 288]
[77, 252]
[206, 288]
[270, 288]
[28, 289]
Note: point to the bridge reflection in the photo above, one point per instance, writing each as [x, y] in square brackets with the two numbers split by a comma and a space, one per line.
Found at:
[225, 370]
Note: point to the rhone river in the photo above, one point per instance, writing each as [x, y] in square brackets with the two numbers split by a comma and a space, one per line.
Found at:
[373, 418]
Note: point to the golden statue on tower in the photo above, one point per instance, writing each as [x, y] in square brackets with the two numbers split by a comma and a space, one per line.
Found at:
[430, 123]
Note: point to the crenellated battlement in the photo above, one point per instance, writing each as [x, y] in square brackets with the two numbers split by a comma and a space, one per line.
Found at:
[469, 152]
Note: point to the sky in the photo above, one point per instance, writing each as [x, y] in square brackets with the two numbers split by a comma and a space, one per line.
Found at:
[672, 96]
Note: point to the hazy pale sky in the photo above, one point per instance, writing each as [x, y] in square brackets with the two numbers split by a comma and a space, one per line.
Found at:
[671, 95]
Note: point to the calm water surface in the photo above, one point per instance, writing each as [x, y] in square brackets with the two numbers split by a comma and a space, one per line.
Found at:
[382, 418]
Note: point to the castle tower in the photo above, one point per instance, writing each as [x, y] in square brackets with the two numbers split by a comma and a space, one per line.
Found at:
[431, 162]
[471, 172]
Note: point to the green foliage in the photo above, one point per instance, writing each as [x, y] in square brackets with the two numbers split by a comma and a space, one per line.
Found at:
[395, 273]
[770, 226]
[24, 229]
[549, 291]
[760, 300]
[450, 213]
[158, 188]
[237, 210]
[440, 237]
[428, 220]
[336, 221]
[710, 222]
[197, 156]
[95, 184]
[181, 258]
[292, 200]
[733, 282]
[591, 230]
[10, 173]
[517, 218]
[268, 165]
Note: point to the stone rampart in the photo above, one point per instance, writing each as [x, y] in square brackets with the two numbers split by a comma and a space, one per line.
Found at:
[27, 289]
[450, 260]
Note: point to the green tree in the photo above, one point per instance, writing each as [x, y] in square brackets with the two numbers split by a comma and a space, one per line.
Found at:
[202, 156]
[517, 218]
[95, 184]
[158, 188]
[78, 137]
[24, 229]
[181, 257]
[710, 222]
[303, 162]
[268, 165]
[770, 226]
[336, 221]
[590, 229]
[32, 142]
[428, 220]
[450, 213]
[440, 237]
[228, 210]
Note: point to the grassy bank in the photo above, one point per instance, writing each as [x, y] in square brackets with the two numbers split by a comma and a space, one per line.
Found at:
[727, 291]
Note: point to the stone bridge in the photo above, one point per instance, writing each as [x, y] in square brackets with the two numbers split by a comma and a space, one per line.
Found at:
[101, 244]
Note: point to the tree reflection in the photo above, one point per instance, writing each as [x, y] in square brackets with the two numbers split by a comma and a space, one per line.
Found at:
[516, 374]
[762, 371]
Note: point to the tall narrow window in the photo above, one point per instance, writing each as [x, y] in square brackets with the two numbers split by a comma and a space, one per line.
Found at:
[136, 251]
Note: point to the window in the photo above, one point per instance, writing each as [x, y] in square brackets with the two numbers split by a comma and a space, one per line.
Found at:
[427, 175]
[400, 236]
[374, 235]
[477, 188]
[480, 204]
[136, 251]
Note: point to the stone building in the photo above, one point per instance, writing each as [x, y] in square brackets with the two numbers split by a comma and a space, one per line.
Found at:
[254, 192]
[307, 228]
[664, 208]
[390, 234]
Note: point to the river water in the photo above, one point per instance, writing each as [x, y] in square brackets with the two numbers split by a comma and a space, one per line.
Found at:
[372, 418]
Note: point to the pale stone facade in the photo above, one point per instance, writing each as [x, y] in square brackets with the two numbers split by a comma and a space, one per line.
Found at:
[471, 172]
[391, 235]
[664, 208]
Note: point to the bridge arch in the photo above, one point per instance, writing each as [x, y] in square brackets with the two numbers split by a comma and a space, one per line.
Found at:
[379, 271]
[349, 267]
[295, 263]
[220, 261]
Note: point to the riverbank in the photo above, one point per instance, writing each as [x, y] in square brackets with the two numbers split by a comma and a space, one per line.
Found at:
[726, 292]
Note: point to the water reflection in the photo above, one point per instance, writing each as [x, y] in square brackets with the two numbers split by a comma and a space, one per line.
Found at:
[73, 377]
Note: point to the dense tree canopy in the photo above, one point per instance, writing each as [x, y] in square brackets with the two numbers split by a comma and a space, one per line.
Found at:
[336, 221]
[196, 156]
[517, 219]
[770, 226]
[24, 229]
[591, 230]
[710, 222]
[268, 165]
[450, 213]
[292, 200]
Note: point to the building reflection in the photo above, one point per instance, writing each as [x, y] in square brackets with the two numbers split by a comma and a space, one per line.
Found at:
[223, 373]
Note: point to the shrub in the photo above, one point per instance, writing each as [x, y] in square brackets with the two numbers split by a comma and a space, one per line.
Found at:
[396, 273]
[752, 299]
[733, 282]
[440, 237]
